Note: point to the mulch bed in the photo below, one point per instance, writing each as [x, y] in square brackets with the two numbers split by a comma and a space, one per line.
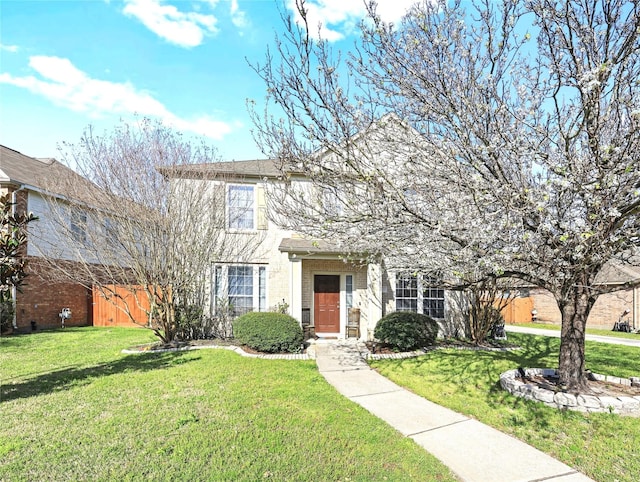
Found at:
[177, 345]
[383, 349]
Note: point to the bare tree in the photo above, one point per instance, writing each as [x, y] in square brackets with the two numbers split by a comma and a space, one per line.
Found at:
[494, 138]
[488, 300]
[145, 215]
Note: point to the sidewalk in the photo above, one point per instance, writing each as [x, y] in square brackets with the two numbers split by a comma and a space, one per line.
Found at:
[472, 450]
[556, 334]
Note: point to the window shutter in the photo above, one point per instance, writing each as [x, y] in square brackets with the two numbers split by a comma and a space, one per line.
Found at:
[263, 222]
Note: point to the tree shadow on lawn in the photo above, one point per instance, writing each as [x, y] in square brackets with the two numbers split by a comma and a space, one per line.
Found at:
[485, 364]
[477, 374]
[66, 378]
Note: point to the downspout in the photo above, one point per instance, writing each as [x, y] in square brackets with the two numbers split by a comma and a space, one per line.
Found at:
[14, 291]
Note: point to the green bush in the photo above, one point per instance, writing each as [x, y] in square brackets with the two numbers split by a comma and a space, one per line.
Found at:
[406, 331]
[6, 315]
[268, 332]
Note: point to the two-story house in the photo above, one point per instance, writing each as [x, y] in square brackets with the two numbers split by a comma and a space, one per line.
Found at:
[319, 283]
[40, 301]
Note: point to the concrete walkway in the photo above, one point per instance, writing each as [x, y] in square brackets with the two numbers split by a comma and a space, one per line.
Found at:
[556, 334]
[472, 450]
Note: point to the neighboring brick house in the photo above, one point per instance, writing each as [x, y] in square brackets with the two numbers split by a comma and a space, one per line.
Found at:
[315, 279]
[41, 298]
[609, 308]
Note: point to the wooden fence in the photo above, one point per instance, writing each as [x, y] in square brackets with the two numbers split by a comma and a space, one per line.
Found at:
[518, 310]
[113, 311]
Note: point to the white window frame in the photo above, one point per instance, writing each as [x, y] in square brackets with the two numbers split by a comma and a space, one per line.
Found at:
[231, 219]
[431, 294]
[259, 286]
[408, 292]
[425, 295]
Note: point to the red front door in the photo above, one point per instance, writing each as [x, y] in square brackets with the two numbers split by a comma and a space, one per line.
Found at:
[326, 302]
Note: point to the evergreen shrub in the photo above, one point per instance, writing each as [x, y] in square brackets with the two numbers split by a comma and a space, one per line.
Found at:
[406, 331]
[268, 332]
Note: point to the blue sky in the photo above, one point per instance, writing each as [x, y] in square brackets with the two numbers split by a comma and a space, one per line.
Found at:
[67, 64]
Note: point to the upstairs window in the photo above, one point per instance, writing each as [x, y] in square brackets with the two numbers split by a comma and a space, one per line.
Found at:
[111, 233]
[241, 207]
[331, 204]
[78, 226]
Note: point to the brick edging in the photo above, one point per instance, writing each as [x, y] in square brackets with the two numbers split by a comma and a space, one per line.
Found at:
[237, 349]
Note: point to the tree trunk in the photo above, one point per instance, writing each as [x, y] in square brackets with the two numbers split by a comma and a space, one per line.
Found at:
[575, 305]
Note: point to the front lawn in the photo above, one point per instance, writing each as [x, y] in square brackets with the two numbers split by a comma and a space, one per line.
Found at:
[606, 447]
[74, 408]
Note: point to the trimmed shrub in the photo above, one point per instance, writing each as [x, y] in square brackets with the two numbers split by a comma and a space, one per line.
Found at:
[268, 332]
[406, 331]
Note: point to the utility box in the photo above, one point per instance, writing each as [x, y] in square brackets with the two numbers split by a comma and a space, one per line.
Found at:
[64, 315]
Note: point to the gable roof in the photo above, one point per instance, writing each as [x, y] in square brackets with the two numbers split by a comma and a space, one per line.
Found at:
[273, 168]
[20, 170]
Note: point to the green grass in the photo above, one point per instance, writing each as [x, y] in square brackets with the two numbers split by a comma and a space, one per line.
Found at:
[590, 331]
[604, 446]
[74, 408]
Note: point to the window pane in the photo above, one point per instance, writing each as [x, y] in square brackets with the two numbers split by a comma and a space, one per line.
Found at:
[432, 298]
[262, 288]
[79, 226]
[331, 202]
[240, 291]
[349, 291]
[217, 282]
[406, 293]
[241, 206]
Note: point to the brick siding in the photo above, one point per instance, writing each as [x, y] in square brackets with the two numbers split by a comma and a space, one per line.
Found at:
[604, 314]
[41, 300]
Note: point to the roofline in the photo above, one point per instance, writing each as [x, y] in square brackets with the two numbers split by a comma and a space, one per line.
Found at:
[229, 169]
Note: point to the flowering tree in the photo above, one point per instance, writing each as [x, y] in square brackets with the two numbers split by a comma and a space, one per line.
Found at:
[478, 140]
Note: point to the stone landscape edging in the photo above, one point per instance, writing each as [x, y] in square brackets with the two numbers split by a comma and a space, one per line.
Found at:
[512, 382]
[237, 349]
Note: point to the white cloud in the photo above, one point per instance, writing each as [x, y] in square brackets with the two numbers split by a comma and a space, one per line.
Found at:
[238, 17]
[65, 85]
[340, 17]
[9, 48]
[185, 29]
